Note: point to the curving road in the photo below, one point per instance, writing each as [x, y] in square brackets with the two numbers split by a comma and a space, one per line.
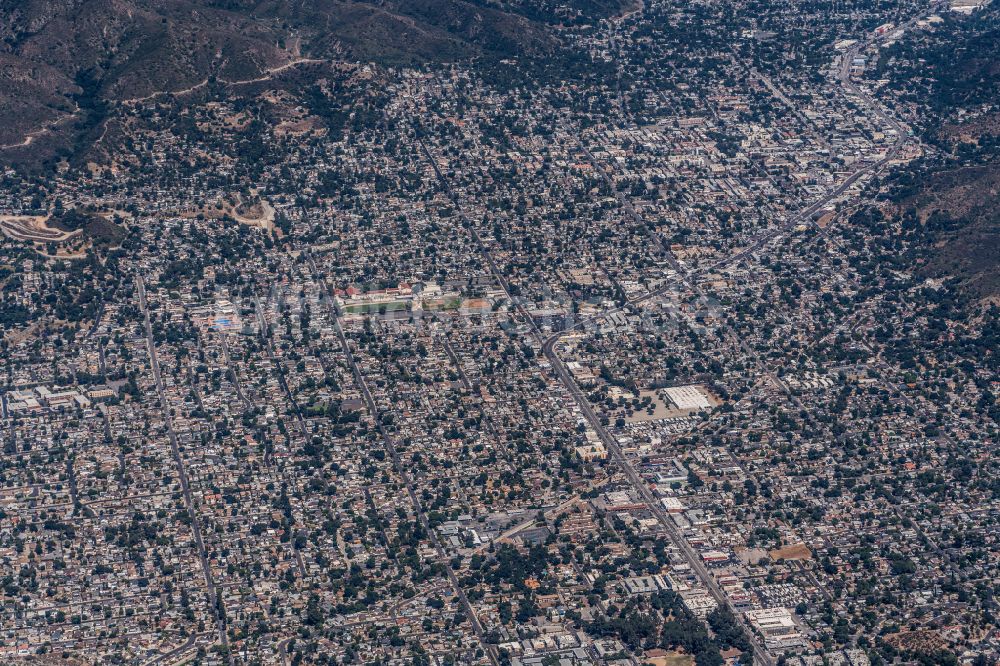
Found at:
[686, 279]
[175, 653]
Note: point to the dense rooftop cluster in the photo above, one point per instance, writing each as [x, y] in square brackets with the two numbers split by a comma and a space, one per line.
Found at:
[445, 366]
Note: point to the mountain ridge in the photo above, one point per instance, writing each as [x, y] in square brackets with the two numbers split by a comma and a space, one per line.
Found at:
[63, 62]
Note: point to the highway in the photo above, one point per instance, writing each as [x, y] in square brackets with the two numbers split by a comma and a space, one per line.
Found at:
[694, 561]
[801, 217]
[686, 279]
